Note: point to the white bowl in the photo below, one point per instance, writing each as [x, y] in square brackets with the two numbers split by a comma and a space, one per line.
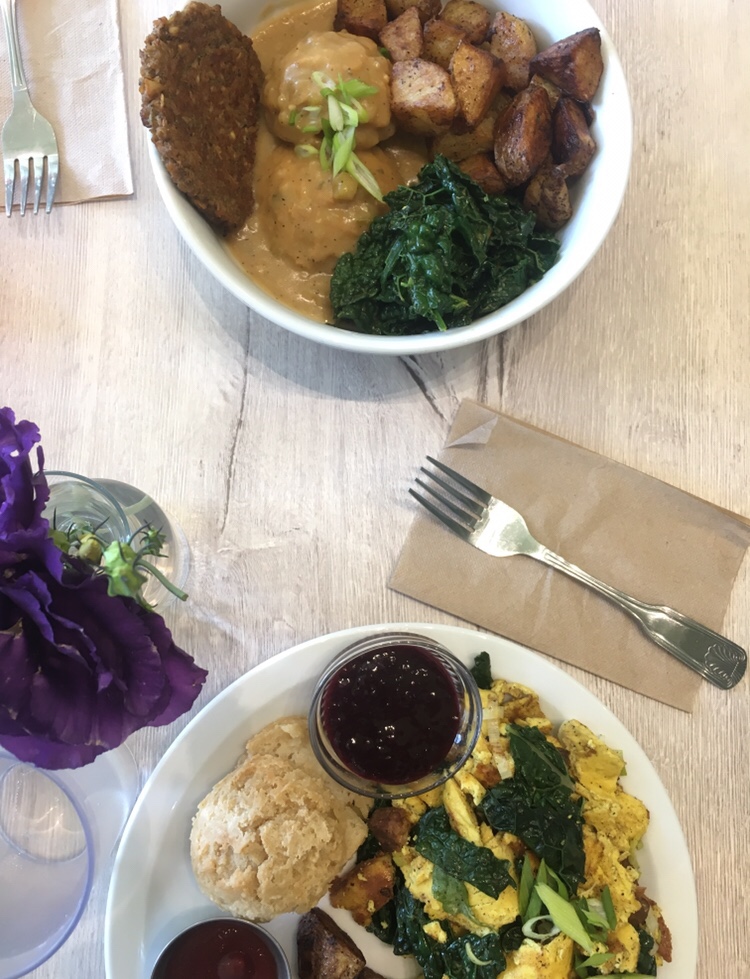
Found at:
[596, 199]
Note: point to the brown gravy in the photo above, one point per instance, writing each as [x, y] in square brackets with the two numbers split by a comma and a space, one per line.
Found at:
[264, 247]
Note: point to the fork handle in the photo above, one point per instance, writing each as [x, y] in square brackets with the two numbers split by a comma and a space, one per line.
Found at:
[714, 657]
[17, 76]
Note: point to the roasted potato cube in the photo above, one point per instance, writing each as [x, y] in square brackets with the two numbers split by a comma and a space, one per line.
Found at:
[324, 951]
[481, 168]
[477, 77]
[512, 41]
[553, 92]
[364, 17]
[440, 40]
[425, 8]
[470, 17]
[391, 827]
[422, 97]
[523, 136]
[547, 196]
[572, 143]
[574, 64]
[459, 146]
[402, 37]
[365, 888]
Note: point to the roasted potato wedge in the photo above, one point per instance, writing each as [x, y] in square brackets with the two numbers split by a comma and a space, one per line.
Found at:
[422, 97]
[574, 64]
[364, 17]
[459, 146]
[547, 196]
[481, 168]
[553, 92]
[477, 77]
[365, 888]
[402, 37]
[572, 143]
[523, 136]
[425, 8]
[324, 951]
[440, 40]
[391, 827]
[470, 17]
[511, 40]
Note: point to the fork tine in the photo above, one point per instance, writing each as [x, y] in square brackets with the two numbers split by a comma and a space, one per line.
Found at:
[9, 173]
[469, 504]
[449, 522]
[469, 519]
[483, 495]
[23, 169]
[53, 169]
[38, 162]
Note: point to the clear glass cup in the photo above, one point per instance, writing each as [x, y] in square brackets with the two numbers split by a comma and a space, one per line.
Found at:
[467, 731]
[117, 510]
[58, 831]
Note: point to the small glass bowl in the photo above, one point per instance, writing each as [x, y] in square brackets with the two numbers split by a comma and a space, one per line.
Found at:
[469, 726]
[223, 937]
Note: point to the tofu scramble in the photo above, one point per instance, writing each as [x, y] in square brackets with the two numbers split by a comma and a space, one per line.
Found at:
[521, 866]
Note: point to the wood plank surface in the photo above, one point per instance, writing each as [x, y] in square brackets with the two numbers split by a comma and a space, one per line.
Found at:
[287, 464]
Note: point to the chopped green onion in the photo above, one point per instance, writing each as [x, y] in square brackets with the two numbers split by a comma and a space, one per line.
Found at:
[350, 114]
[292, 115]
[343, 144]
[363, 176]
[525, 886]
[533, 928]
[609, 908]
[335, 114]
[565, 917]
[471, 956]
[305, 150]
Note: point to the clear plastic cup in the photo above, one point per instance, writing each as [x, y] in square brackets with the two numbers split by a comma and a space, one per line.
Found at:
[57, 831]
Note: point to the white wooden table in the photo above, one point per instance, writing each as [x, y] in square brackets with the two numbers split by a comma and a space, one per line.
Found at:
[287, 464]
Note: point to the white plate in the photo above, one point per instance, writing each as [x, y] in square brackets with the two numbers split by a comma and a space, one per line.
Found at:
[153, 895]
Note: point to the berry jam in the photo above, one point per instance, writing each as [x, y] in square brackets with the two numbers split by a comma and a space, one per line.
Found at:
[392, 714]
[217, 949]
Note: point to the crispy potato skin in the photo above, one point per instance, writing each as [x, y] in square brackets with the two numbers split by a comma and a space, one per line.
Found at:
[365, 888]
[481, 168]
[364, 17]
[402, 37]
[547, 196]
[440, 40]
[574, 64]
[512, 41]
[523, 136]
[477, 77]
[572, 144]
[422, 97]
[470, 17]
[425, 8]
[459, 146]
[391, 827]
[325, 951]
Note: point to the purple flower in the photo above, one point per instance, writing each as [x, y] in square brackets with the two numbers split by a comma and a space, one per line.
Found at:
[80, 670]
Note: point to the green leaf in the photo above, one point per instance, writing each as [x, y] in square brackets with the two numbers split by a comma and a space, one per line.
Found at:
[463, 255]
[451, 893]
[482, 670]
[565, 917]
[436, 840]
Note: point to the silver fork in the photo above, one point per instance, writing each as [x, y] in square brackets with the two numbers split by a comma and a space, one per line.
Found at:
[492, 526]
[27, 137]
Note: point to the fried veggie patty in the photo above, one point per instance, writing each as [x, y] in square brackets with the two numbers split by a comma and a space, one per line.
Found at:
[200, 88]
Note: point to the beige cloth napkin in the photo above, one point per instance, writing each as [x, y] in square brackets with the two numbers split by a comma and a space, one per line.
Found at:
[73, 61]
[633, 531]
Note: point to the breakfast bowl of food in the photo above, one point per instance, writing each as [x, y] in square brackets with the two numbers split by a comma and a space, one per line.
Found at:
[389, 176]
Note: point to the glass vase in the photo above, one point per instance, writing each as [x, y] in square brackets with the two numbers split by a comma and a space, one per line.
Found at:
[116, 511]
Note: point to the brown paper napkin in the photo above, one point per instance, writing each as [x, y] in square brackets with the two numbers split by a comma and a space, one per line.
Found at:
[633, 531]
[73, 62]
